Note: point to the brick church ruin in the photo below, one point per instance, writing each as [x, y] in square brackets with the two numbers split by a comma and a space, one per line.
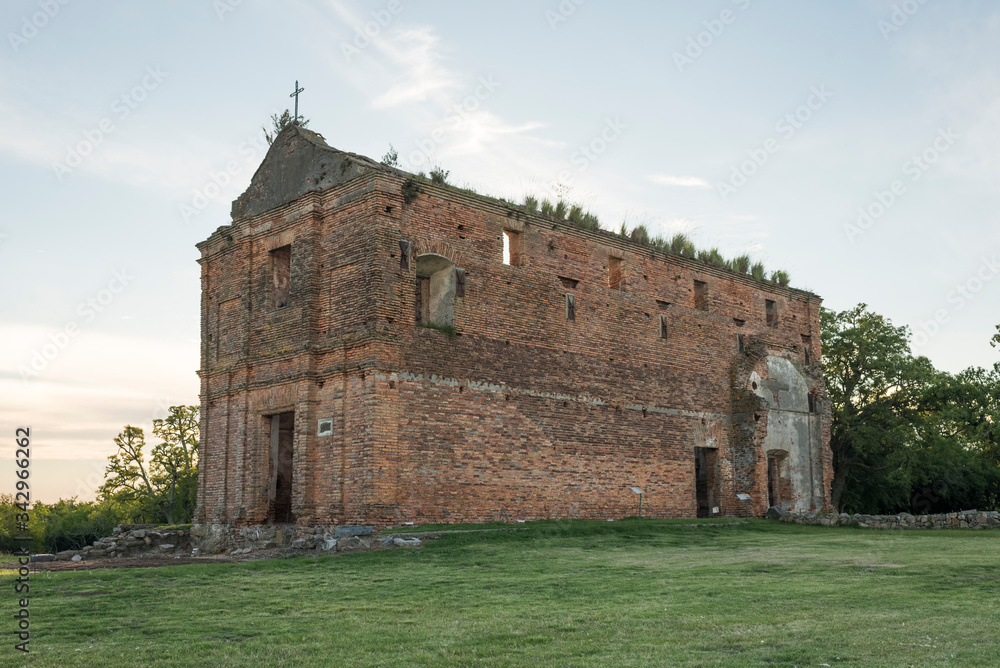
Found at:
[379, 349]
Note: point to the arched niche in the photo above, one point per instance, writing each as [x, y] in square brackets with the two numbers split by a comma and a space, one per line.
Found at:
[435, 290]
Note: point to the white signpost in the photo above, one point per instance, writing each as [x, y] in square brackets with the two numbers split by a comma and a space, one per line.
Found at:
[639, 492]
[745, 498]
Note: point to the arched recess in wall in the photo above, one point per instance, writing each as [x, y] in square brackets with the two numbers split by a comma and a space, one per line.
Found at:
[435, 296]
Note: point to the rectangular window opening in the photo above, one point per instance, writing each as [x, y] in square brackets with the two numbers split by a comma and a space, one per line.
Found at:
[701, 295]
[281, 276]
[512, 248]
[740, 345]
[807, 348]
[663, 326]
[771, 309]
[404, 255]
[570, 307]
[615, 273]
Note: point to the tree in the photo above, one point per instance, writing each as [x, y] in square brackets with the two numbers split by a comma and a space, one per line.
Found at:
[126, 479]
[904, 435]
[279, 123]
[875, 386]
[166, 487]
[959, 458]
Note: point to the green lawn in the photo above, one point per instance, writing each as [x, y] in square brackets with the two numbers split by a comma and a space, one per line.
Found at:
[553, 594]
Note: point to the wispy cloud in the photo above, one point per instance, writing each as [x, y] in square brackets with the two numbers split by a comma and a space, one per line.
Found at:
[415, 53]
[678, 181]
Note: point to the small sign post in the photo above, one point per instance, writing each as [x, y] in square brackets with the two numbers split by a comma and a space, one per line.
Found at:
[639, 492]
[745, 498]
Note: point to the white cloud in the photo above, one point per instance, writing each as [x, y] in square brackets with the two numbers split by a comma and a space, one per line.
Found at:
[415, 52]
[679, 181]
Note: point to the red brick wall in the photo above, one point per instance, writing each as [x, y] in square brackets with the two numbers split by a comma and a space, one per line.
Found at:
[522, 414]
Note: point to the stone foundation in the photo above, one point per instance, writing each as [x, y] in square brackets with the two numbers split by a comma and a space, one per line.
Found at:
[966, 519]
[225, 538]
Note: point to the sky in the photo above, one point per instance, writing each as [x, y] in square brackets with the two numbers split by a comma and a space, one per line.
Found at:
[855, 145]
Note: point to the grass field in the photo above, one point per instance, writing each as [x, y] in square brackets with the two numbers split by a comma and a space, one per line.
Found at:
[553, 594]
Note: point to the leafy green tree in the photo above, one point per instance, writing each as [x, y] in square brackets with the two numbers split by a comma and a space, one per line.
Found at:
[959, 447]
[904, 435]
[127, 482]
[70, 525]
[165, 488]
[875, 387]
[64, 525]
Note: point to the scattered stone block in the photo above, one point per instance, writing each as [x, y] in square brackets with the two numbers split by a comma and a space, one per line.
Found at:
[776, 513]
[406, 542]
[349, 543]
[343, 531]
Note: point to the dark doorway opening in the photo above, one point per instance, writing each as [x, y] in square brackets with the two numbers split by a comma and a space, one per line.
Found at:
[779, 486]
[706, 473]
[279, 490]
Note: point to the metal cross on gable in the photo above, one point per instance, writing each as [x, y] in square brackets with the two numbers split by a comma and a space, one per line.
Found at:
[295, 119]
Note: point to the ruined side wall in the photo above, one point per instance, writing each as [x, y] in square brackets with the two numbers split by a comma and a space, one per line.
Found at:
[526, 414]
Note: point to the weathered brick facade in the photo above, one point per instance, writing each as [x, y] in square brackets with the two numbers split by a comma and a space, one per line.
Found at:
[549, 387]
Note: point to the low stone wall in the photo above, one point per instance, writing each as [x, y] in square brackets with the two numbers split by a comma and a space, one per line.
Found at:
[966, 519]
[145, 540]
[225, 538]
[128, 540]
